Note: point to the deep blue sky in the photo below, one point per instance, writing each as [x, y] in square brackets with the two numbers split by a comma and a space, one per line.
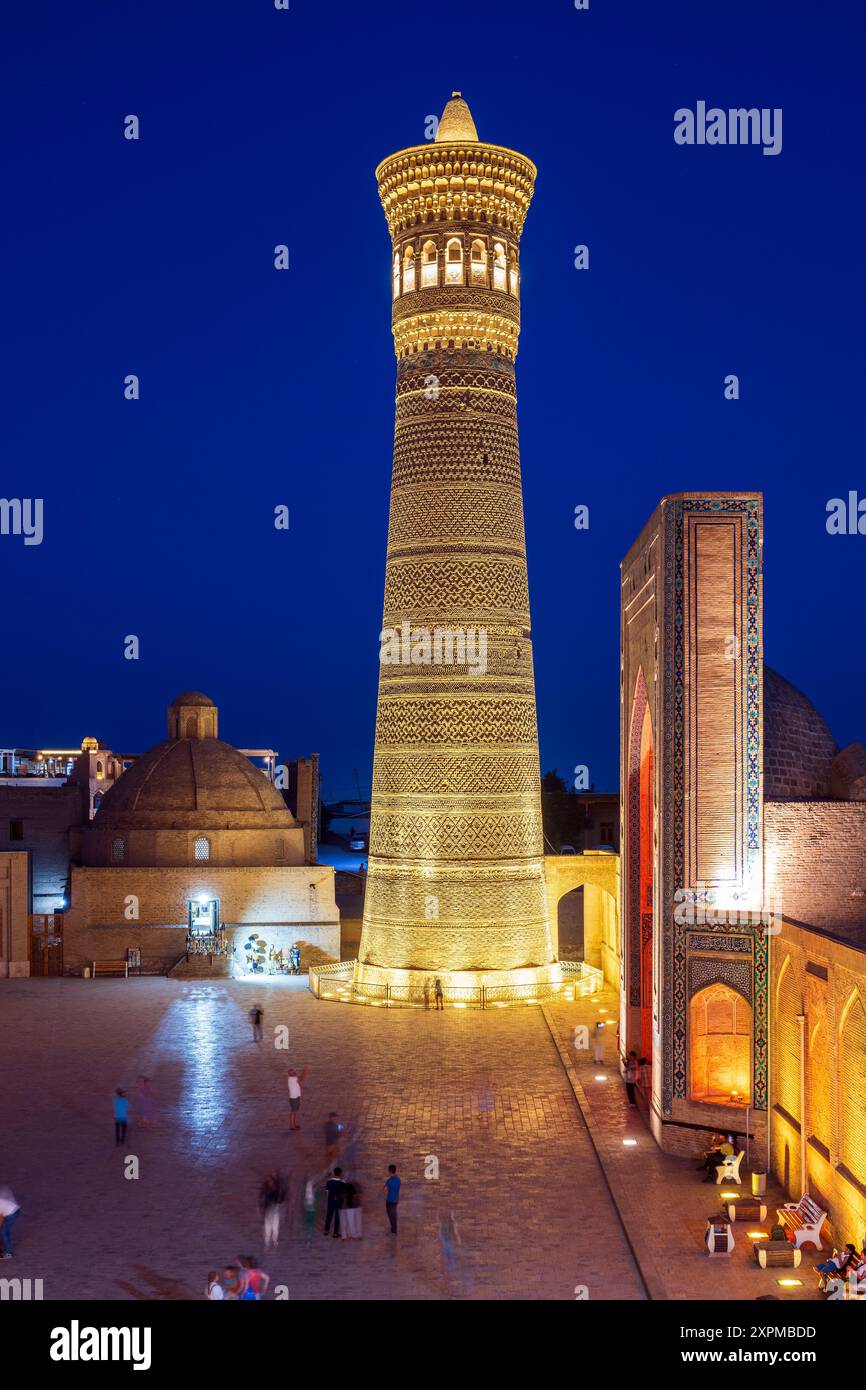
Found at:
[258, 387]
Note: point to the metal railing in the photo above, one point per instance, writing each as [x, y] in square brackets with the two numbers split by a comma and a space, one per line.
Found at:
[337, 983]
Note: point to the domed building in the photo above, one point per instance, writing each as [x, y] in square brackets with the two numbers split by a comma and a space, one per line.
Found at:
[193, 842]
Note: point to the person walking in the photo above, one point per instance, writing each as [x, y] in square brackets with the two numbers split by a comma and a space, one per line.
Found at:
[310, 1208]
[121, 1115]
[146, 1101]
[335, 1188]
[392, 1196]
[438, 993]
[352, 1209]
[272, 1197]
[215, 1290]
[295, 1083]
[598, 1046]
[256, 1016]
[333, 1131]
[632, 1071]
[9, 1211]
[255, 1281]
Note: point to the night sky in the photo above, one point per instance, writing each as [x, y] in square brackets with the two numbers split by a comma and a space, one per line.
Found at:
[260, 387]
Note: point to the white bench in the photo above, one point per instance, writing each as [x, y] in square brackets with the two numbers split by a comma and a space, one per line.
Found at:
[804, 1219]
[729, 1171]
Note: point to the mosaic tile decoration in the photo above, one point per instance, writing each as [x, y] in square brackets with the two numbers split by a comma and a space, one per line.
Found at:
[673, 677]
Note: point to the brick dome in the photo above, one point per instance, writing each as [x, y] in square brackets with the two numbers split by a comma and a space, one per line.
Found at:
[193, 799]
[196, 782]
[798, 746]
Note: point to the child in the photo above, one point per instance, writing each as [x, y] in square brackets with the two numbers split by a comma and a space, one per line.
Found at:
[121, 1106]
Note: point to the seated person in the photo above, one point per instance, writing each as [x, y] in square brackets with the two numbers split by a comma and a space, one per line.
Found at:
[840, 1262]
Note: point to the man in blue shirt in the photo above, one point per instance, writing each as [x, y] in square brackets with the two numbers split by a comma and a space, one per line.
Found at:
[392, 1196]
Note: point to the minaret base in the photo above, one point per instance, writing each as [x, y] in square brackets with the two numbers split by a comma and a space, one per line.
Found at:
[359, 983]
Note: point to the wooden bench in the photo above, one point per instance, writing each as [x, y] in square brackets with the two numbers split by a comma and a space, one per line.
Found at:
[776, 1254]
[109, 967]
[729, 1171]
[804, 1220]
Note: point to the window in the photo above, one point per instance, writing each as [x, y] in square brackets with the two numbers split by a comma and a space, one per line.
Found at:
[513, 278]
[16, 830]
[97, 802]
[202, 848]
[396, 273]
[408, 269]
[100, 770]
[499, 266]
[453, 262]
[478, 263]
[429, 264]
[118, 850]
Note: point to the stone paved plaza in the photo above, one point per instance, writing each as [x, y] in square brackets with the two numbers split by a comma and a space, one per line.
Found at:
[486, 1094]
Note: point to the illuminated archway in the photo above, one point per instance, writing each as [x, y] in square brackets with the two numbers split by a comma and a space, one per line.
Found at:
[641, 859]
[720, 1046]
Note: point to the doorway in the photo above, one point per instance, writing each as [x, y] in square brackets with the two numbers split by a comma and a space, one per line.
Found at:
[46, 943]
[204, 916]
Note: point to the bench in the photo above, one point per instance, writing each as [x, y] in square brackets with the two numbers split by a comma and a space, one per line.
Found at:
[777, 1254]
[729, 1171]
[109, 967]
[804, 1220]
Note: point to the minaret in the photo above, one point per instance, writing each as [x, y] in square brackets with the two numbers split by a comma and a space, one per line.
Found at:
[456, 872]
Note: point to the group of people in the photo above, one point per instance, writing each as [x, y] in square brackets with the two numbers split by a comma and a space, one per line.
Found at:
[722, 1147]
[243, 1280]
[438, 993]
[848, 1265]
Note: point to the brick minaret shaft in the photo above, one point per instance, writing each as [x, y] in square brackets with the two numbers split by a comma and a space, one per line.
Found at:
[456, 871]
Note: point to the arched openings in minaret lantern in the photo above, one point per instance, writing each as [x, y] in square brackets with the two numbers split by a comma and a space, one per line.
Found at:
[429, 264]
[478, 262]
[480, 253]
[408, 269]
[453, 261]
[499, 266]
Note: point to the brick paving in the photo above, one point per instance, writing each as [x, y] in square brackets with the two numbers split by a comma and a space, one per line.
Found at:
[661, 1198]
[486, 1094]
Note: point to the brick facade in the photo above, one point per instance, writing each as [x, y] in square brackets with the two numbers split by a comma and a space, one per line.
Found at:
[97, 927]
[822, 978]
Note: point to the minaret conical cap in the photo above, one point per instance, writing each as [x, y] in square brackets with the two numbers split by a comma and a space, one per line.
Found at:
[456, 125]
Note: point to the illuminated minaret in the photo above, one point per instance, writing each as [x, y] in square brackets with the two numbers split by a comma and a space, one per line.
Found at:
[456, 872]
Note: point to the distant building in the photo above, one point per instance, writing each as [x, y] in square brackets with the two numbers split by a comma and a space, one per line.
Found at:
[190, 841]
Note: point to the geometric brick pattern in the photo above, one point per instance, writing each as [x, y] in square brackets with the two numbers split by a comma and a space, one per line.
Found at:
[455, 779]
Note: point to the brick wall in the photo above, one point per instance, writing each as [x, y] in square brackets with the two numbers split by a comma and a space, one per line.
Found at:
[96, 926]
[47, 814]
[815, 863]
[824, 979]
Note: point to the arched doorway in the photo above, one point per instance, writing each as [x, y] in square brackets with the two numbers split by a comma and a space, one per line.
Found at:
[720, 1045]
[570, 924]
[641, 819]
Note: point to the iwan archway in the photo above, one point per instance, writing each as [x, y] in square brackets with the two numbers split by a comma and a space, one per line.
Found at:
[597, 873]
